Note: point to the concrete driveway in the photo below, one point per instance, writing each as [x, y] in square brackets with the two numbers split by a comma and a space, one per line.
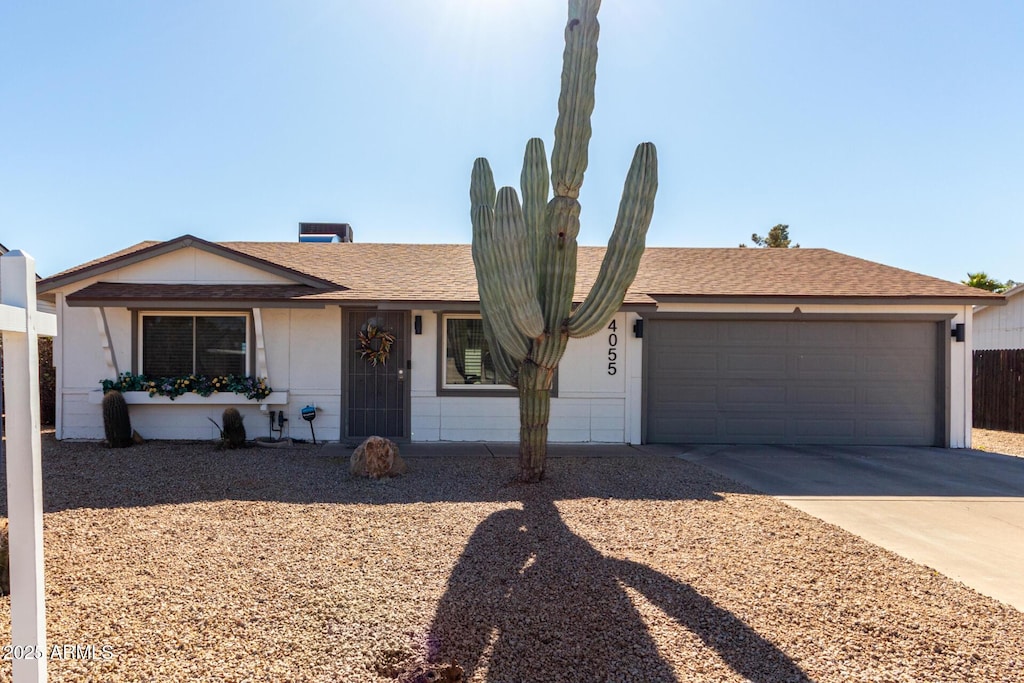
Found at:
[960, 512]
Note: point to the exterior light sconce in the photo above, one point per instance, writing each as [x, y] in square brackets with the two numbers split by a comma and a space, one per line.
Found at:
[417, 324]
[959, 332]
[638, 328]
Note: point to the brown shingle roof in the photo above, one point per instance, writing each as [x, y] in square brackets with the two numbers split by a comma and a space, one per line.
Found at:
[444, 272]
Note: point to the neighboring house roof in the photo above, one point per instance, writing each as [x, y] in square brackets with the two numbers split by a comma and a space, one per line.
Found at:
[1011, 293]
[414, 273]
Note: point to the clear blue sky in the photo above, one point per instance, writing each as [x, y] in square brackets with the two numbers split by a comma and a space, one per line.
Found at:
[889, 130]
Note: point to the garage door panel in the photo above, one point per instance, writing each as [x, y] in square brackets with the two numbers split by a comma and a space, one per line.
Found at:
[894, 429]
[748, 396]
[831, 428]
[810, 396]
[703, 429]
[766, 333]
[693, 334]
[741, 381]
[688, 394]
[755, 364]
[904, 395]
[747, 428]
[898, 365]
[836, 335]
[687, 362]
[813, 365]
[912, 335]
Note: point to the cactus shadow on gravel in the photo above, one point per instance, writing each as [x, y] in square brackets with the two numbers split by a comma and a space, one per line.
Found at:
[556, 609]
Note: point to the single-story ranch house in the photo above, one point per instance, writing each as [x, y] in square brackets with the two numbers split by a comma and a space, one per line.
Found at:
[794, 346]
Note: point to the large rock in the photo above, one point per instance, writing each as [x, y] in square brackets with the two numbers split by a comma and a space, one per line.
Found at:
[377, 457]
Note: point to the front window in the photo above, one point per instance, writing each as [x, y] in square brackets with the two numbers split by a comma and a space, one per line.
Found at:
[211, 345]
[468, 356]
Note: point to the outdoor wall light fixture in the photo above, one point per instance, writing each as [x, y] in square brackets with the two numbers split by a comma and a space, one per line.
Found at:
[417, 324]
[959, 332]
[638, 328]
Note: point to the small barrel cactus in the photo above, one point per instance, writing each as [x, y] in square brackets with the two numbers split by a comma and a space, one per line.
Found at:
[116, 424]
[233, 430]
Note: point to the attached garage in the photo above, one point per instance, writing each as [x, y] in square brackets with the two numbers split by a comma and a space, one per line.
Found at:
[784, 381]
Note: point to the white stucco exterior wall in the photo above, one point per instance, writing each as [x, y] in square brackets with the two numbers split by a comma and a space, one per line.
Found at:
[591, 405]
[302, 347]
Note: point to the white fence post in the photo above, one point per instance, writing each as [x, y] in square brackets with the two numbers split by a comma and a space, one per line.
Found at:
[18, 320]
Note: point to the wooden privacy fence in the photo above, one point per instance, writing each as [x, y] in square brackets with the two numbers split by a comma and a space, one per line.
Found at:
[999, 389]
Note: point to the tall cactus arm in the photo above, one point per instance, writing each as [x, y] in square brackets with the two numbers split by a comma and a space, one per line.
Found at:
[504, 364]
[576, 100]
[481, 184]
[625, 247]
[505, 334]
[558, 261]
[481, 193]
[534, 183]
[514, 278]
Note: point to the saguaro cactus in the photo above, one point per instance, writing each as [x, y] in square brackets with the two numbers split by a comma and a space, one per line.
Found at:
[525, 255]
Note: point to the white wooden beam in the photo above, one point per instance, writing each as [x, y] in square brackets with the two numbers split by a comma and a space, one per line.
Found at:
[261, 346]
[105, 342]
[24, 469]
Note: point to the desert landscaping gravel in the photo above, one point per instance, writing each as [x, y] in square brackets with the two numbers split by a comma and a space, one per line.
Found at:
[1008, 443]
[180, 562]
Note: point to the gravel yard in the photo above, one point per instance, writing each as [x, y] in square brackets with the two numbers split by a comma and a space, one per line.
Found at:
[191, 563]
[1008, 443]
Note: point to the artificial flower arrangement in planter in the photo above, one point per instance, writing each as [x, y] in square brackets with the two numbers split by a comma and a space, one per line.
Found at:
[253, 388]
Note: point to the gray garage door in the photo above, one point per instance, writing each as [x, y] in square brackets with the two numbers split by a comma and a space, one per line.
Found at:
[836, 382]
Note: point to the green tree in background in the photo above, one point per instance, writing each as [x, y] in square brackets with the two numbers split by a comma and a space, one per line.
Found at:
[777, 238]
[981, 280]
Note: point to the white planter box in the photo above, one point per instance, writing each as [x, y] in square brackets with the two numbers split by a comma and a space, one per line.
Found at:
[190, 399]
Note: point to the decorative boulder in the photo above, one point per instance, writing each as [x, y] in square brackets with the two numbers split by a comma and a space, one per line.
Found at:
[377, 457]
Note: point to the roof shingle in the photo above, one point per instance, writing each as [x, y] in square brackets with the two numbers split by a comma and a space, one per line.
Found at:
[445, 273]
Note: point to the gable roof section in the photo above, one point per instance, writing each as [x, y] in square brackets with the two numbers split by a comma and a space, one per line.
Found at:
[147, 250]
[400, 274]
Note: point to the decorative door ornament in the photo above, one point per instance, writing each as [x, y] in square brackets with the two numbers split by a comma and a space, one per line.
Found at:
[375, 342]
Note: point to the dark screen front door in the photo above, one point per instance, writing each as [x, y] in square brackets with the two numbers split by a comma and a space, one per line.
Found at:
[377, 395]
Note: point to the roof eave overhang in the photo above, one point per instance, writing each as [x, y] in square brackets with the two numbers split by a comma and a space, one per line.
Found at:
[192, 304]
[456, 305]
[798, 300]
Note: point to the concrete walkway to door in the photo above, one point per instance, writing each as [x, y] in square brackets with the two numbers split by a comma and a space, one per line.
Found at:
[960, 512]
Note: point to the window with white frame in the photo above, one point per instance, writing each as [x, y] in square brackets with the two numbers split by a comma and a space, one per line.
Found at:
[467, 360]
[173, 344]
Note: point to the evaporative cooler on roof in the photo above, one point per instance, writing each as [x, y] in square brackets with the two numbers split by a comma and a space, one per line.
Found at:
[325, 232]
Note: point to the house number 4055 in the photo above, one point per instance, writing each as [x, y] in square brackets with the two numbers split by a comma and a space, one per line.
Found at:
[613, 348]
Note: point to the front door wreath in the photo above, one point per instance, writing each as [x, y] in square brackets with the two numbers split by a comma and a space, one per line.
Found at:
[375, 343]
